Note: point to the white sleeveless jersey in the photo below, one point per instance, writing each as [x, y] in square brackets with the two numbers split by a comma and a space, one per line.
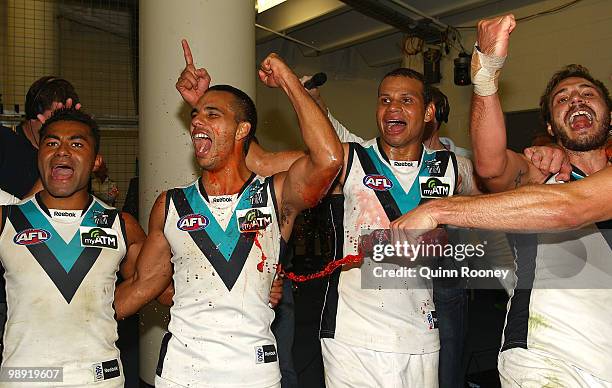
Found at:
[60, 277]
[562, 303]
[219, 331]
[377, 191]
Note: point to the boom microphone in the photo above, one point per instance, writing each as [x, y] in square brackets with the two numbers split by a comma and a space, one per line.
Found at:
[316, 81]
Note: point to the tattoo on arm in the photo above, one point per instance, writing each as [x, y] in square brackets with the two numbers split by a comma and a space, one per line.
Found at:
[519, 178]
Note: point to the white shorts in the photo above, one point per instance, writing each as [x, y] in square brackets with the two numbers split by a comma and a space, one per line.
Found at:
[354, 367]
[164, 383]
[524, 368]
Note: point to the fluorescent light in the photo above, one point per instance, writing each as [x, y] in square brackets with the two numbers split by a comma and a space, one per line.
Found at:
[263, 5]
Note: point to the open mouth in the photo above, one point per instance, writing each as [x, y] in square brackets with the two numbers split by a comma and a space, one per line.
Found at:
[580, 119]
[202, 142]
[62, 172]
[394, 125]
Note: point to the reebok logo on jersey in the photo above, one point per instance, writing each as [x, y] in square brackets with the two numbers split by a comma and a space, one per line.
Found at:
[377, 182]
[31, 237]
[252, 220]
[192, 222]
[106, 370]
[98, 238]
[221, 199]
[265, 354]
[404, 163]
[435, 187]
[64, 213]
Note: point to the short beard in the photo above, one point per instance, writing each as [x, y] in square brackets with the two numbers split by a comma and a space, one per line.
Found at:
[590, 143]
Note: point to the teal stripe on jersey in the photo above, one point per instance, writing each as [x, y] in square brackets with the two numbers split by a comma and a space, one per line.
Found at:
[66, 254]
[406, 201]
[224, 240]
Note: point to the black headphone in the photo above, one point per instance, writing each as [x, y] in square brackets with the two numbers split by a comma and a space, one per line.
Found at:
[33, 106]
[442, 109]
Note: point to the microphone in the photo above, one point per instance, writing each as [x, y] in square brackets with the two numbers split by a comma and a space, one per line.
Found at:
[316, 81]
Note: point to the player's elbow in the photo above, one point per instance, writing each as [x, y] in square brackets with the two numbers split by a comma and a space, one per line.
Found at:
[331, 170]
[318, 185]
[328, 163]
[489, 169]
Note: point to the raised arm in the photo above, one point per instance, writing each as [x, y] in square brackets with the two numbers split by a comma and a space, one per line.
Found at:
[528, 209]
[266, 163]
[500, 168]
[153, 270]
[311, 176]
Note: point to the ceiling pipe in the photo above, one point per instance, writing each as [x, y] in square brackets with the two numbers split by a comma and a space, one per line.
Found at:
[418, 12]
[285, 36]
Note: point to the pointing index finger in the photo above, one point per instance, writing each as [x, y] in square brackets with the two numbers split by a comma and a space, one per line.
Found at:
[187, 52]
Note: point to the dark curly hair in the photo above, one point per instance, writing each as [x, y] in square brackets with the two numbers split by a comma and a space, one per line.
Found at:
[569, 71]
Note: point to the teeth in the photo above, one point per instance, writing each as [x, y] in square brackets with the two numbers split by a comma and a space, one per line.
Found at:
[395, 122]
[581, 112]
[201, 136]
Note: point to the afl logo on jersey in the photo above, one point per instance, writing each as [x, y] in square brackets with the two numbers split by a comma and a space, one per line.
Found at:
[377, 182]
[32, 237]
[192, 222]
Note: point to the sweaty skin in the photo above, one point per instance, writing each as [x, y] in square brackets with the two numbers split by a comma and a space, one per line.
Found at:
[218, 139]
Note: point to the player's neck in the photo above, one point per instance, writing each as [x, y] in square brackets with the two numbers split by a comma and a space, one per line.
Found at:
[76, 201]
[433, 142]
[410, 151]
[228, 179]
[589, 161]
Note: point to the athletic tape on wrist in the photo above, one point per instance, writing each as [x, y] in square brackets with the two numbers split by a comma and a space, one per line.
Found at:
[485, 72]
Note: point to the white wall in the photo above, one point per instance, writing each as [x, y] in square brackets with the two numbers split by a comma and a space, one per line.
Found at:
[350, 92]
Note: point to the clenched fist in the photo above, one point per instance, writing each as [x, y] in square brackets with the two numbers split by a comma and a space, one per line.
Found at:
[274, 72]
[494, 35]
